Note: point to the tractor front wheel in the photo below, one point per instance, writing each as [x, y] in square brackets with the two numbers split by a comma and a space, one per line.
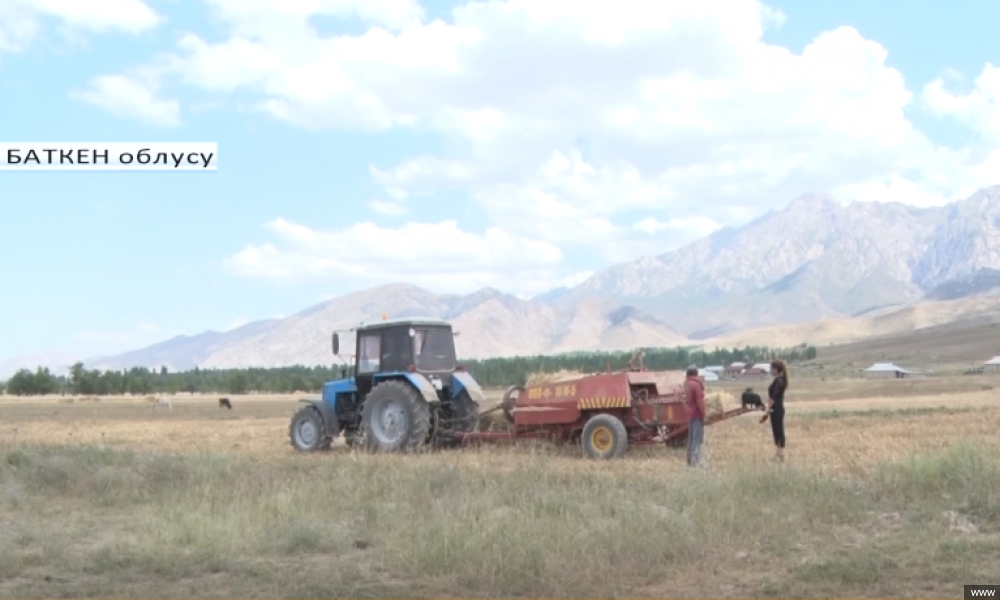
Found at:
[604, 437]
[307, 431]
[396, 418]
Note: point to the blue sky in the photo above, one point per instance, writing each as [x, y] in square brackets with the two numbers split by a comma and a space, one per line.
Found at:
[521, 145]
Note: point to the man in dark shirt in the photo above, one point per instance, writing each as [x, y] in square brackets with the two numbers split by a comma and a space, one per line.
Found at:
[694, 392]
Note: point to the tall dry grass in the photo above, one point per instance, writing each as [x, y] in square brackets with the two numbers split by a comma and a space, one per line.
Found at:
[85, 522]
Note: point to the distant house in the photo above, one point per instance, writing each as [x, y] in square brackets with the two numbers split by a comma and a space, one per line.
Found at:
[888, 371]
[993, 364]
[716, 369]
[766, 367]
[707, 375]
[735, 369]
[755, 372]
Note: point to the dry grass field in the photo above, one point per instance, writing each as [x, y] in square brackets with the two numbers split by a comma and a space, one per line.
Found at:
[890, 489]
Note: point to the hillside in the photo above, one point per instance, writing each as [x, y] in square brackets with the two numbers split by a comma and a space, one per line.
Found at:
[489, 323]
[816, 259]
[791, 276]
[57, 362]
[962, 314]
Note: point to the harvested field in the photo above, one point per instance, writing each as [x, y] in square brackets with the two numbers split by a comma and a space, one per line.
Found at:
[891, 496]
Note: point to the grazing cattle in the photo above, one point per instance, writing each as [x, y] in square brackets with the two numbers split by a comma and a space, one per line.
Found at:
[163, 403]
[750, 398]
[225, 403]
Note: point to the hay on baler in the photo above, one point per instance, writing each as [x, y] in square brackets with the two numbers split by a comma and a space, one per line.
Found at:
[554, 377]
[720, 402]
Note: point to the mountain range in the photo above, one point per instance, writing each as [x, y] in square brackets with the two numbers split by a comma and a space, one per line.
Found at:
[815, 262]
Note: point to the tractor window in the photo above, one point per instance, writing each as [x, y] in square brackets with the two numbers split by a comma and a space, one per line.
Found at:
[434, 349]
[369, 352]
[395, 349]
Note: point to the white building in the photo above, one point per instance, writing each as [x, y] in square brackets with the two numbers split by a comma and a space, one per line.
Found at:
[888, 371]
[707, 375]
[993, 364]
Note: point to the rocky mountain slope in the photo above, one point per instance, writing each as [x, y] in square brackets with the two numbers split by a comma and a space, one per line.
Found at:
[815, 259]
[489, 323]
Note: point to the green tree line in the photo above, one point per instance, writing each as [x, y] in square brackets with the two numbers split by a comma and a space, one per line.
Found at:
[490, 372]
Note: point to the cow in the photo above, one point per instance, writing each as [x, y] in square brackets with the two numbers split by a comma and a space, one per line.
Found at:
[225, 403]
[750, 398]
[162, 402]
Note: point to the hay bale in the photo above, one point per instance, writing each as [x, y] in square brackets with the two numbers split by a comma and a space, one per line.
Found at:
[495, 421]
[554, 377]
[719, 402]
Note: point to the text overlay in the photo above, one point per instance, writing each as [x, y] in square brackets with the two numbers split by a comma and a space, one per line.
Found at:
[114, 156]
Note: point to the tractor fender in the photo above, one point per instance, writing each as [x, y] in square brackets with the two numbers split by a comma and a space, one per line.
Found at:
[327, 411]
[416, 380]
[462, 381]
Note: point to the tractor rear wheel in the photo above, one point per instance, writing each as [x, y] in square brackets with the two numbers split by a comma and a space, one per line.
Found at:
[395, 418]
[604, 437]
[462, 416]
[307, 431]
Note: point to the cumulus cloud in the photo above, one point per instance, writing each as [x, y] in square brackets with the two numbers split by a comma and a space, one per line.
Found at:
[436, 254]
[979, 109]
[130, 96]
[582, 125]
[20, 19]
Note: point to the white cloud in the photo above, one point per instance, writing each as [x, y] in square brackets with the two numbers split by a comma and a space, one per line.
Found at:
[979, 109]
[511, 83]
[131, 16]
[584, 125]
[20, 19]
[389, 209]
[133, 97]
[435, 254]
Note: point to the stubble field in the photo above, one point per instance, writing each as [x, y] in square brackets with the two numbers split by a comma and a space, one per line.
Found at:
[890, 489]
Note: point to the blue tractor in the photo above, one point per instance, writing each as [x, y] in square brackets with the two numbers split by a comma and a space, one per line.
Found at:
[405, 391]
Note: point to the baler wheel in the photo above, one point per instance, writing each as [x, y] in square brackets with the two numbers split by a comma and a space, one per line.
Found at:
[604, 437]
[509, 400]
[395, 418]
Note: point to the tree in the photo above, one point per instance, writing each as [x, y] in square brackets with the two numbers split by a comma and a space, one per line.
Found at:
[76, 373]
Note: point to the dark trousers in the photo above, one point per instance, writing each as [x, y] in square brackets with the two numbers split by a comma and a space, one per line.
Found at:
[778, 425]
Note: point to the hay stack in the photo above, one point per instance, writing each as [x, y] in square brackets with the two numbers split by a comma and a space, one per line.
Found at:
[555, 377]
[719, 402]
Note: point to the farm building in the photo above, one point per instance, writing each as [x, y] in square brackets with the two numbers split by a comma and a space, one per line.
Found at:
[735, 369]
[993, 364]
[707, 375]
[888, 371]
[755, 372]
[716, 369]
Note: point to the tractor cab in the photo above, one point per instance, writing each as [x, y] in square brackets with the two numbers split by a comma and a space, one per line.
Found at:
[425, 346]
